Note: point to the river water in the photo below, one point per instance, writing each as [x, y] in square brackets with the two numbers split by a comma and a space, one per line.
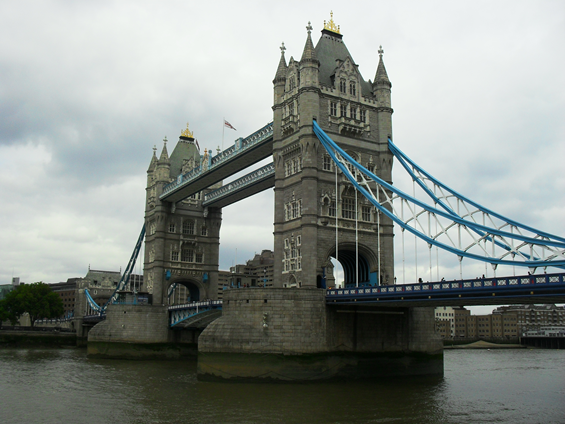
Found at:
[479, 386]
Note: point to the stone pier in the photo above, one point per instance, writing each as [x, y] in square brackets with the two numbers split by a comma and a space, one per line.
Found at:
[291, 335]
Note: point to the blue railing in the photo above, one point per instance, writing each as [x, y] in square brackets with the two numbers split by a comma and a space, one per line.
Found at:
[240, 146]
[503, 285]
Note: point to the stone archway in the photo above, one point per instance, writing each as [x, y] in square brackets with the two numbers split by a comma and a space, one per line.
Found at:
[184, 291]
[361, 264]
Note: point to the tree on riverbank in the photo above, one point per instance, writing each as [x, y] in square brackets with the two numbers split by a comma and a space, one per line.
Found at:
[37, 299]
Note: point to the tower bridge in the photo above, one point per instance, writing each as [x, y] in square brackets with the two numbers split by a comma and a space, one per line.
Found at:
[332, 150]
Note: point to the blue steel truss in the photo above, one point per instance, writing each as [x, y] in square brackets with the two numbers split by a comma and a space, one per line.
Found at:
[447, 219]
[123, 281]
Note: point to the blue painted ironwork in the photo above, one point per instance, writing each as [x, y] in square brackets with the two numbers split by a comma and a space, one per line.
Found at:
[504, 288]
[180, 313]
[123, 281]
[240, 146]
[501, 242]
[248, 180]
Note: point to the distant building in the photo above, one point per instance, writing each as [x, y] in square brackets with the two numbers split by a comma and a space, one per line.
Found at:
[67, 293]
[445, 321]
[256, 272]
[532, 317]
[101, 285]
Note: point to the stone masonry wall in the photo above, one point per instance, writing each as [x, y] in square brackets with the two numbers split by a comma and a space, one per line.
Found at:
[132, 324]
[268, 320]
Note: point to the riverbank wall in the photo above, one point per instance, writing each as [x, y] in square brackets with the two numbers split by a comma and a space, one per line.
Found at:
[43, 338]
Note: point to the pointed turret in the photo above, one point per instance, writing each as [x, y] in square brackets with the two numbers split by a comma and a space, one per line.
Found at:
[382, 85]
[381, 77]
[153, 162]
[162, 169]
[164, 158]
[281, 70]
[280, 77]
[309, 64]
[309, 53]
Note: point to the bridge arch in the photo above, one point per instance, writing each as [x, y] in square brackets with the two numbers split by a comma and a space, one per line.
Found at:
[185, 291]
[347, 257]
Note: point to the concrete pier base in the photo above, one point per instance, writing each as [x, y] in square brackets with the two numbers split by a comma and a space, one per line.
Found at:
[292, 335]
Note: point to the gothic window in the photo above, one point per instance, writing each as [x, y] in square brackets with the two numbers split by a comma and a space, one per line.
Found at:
[332, 208]
[293, 210]
[342, 110]
[352, 88]
[291, 108]
[152, 228]
[292, 83]
[363, 116]
[348, 208]
[292, 166]
[204, 231]
[172, 227]
[174, 255]
[187, 255]
[286, 243]
[366, 213]
[353, 113]
[199, 258]
[333, 108]
[371, 167]
[298, 240]
[342, 85]
[188, 227]
[327, 163]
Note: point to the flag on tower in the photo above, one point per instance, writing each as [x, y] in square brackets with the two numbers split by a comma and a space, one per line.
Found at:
[227, 124]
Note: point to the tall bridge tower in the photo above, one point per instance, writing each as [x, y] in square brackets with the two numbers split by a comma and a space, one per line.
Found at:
[182, 238]
[311, 199]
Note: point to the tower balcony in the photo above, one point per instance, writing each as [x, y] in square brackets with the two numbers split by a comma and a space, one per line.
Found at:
[349, 126]
[289, 124]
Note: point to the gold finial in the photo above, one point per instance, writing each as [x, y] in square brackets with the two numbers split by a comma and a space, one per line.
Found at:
[331, 26]
[187, 133]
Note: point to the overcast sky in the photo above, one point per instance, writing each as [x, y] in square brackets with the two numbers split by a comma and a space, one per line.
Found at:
[88, 88]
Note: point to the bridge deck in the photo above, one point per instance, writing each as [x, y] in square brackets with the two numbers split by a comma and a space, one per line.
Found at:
[546, 288]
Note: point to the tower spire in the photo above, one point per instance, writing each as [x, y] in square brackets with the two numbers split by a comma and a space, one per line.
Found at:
[164, 158]
[281, 70]
[381, 76]
[309, 54]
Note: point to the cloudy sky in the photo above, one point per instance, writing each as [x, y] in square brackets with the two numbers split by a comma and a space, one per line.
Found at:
[88, 88]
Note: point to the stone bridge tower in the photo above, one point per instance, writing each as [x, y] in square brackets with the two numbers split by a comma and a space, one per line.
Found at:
[182, 239]
[326, 85]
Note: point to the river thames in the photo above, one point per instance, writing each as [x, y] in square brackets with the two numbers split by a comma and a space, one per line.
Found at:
[479, 386]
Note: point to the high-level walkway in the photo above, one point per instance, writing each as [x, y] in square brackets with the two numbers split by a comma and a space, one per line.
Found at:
[244, 153]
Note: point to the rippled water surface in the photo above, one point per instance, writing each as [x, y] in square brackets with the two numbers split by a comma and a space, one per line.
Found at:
[479, 386]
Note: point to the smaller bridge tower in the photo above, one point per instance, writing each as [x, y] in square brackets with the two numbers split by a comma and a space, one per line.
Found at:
[182, 239]
[326, 86]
